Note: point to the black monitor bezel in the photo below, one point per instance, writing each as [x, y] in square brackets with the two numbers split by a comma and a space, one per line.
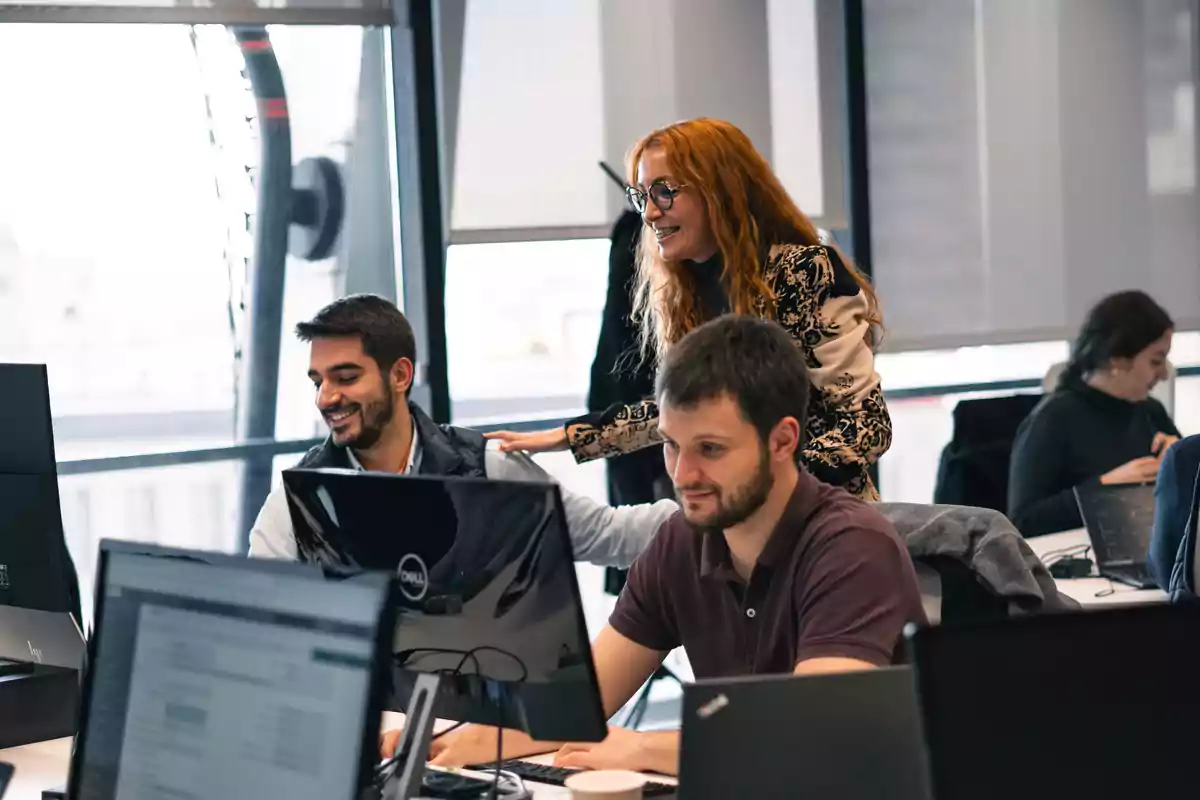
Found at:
[380, 678]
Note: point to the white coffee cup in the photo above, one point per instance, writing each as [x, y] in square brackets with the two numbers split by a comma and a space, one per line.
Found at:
[605, 784]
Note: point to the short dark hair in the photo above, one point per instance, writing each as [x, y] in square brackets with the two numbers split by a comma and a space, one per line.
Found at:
[385, 333]
[1119, 326]
[753, 360]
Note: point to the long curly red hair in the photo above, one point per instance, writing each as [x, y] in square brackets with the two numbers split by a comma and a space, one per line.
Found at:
[748, 212]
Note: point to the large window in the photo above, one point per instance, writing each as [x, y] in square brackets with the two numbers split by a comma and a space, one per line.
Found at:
[111, 238]
[114, 271]
[126, 222]
[922, 414]
[522, 322]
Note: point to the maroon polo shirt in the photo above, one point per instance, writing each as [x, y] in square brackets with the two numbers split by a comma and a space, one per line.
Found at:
[834, 580]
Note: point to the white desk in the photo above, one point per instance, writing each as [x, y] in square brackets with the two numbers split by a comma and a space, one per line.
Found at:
[44, 766]
[1090, 592]
[38, 766]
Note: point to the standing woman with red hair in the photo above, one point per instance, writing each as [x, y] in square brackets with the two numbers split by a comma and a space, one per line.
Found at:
[721, 235]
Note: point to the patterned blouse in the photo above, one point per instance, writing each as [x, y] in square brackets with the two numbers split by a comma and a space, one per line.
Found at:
[821, 306]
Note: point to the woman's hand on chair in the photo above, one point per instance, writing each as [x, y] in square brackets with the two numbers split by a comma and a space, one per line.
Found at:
[530, 441]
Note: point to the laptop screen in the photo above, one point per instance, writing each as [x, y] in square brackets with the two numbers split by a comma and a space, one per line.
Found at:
[1119, 521]
[225, 681]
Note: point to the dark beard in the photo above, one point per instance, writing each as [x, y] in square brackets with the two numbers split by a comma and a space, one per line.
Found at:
[744, 501]
[375, 417]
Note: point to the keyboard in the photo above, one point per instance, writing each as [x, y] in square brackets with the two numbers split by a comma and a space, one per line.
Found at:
[557, 776]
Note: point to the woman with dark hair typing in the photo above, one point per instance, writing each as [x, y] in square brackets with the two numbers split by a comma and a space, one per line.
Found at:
[1100, 424]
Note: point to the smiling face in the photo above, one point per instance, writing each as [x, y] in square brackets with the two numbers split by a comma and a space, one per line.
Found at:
[722, 469]
[1134, 378]
[355, 397]
[682, 231]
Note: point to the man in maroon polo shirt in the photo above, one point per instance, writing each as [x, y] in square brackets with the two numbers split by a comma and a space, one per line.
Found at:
[763, 570]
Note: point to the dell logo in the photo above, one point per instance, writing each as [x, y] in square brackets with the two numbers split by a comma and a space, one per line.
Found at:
[34, 652]
[414, 577]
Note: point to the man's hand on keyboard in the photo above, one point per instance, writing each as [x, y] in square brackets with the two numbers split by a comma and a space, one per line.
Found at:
[622, 749]
[473, 744]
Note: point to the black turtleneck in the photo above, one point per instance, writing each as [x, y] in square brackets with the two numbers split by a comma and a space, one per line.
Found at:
[1073, 437]
[710, 292]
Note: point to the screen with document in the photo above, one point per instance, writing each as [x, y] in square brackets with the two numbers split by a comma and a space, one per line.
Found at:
[227, 681]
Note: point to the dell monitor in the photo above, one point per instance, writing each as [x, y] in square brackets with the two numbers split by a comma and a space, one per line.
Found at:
[229, 677]
[1083, 704]
[490, 625]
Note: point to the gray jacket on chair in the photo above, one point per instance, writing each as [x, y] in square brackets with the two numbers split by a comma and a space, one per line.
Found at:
[988, 544]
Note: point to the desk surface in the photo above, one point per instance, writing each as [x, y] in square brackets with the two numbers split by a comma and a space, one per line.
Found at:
[38, 766]
[44, 766]
[1090, 591]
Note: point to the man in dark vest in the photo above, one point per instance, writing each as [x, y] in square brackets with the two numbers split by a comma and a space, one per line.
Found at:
[361, 365]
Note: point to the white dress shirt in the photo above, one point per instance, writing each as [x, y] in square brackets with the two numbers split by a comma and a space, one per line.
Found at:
[601, 534]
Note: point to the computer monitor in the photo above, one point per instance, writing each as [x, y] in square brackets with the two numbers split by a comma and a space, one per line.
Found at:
[25, 422]
[229, 677]
[1081, 704]
[489, 606]
[33, 570]
[39, 595]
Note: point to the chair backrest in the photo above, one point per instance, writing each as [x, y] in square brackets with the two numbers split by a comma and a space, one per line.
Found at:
[974, 466]
[973, 564]
[1163, 393]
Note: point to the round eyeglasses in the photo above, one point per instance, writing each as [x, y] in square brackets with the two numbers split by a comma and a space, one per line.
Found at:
[661, 193]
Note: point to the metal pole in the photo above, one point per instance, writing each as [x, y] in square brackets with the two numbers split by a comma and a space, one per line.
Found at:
[415, 79]
[858, 166]
[857, 154]
[259, 385]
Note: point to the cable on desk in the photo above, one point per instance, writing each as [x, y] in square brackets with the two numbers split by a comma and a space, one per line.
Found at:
[1114, 589]
[1075, 551]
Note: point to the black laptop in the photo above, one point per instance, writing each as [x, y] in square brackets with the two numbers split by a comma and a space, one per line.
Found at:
[850, 736]
[1119, 519]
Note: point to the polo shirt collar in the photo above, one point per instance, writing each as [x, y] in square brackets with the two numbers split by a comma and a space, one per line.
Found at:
[414, 456]
[714, 551]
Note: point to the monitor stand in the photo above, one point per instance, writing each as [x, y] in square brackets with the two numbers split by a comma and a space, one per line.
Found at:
[407, 781]
[415, 738]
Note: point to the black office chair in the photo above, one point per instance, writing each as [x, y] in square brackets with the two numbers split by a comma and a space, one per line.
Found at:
[973, 469]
